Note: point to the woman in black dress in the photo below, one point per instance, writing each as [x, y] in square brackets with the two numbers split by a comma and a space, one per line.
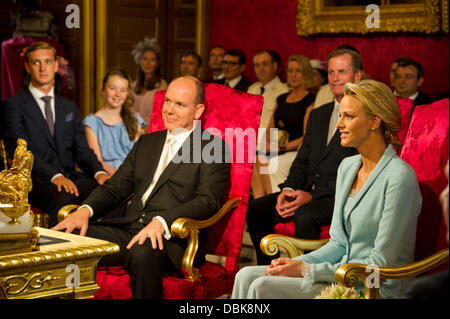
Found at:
[290, 118]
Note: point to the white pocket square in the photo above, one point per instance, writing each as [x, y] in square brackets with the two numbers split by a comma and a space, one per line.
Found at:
[69, 117]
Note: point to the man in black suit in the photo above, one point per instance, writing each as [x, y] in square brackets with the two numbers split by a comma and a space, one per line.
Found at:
[233, 65]
[215, 64]
[166, 185]
[190, 64]
[52, 127]
[409, 77]
[307, 195]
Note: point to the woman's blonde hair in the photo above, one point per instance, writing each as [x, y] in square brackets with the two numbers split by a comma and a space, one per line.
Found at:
[306, 69]
[378, 101]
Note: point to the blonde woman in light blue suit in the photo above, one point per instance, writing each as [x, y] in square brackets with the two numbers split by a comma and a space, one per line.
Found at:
[376, 207]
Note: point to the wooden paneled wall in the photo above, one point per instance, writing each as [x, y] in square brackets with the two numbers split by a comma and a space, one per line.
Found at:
[111, 28]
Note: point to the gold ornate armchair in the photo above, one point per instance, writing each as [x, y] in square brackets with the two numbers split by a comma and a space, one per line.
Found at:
[426, 150]
[348, 275]
[226, 108]
[181, 228]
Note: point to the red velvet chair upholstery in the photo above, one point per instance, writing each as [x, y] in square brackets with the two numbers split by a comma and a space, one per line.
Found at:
[426, 150]
[405, 105]
[225, 108]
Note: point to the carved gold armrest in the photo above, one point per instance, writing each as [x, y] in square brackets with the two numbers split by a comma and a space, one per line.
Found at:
[348, 275]
[186, 227]
[270, 245]
[65, 211]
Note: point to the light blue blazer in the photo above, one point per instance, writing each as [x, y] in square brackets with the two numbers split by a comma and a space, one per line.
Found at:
[380, 227]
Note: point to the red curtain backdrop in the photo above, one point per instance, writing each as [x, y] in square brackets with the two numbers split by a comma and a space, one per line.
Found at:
[252, 25]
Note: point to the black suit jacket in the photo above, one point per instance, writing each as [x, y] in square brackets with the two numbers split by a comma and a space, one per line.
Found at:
[190, 188]
[211, 80]
[243, 84]
[315, 167]
[22, 118]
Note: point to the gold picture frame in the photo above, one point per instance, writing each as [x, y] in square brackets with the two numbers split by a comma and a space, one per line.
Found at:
[322, 17]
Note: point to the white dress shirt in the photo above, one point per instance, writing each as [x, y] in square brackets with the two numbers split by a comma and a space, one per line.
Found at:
[272, 90]
[37, 95]
[179, 136]
[412, 97]
[218, 77]
[333, 121]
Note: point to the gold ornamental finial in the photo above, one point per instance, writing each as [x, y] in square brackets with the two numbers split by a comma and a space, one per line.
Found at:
[15, 183]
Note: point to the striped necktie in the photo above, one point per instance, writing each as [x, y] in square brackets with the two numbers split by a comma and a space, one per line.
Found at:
[49, 114]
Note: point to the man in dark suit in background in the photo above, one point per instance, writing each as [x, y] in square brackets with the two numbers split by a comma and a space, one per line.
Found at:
[166, 186]
[52, 127]
[307, 195]
[190, 64]
[409, 77]
[215, 64]
[233, 65]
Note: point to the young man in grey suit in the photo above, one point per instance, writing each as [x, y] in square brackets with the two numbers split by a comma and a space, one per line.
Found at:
[307, 195]
[52, 127]
[171, 175]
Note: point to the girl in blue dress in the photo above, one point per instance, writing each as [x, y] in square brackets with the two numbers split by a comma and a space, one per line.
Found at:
[112, 131]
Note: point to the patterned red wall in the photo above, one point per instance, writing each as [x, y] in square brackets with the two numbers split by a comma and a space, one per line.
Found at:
[252, 25]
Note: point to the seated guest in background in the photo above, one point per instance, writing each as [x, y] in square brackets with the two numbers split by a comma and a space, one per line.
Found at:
[52, 127]
[289, 117]
[167, 185]
[325, 95]
[394, 66]
[320, 75]
[112, 131]
[233, 65]
[190, 64]
[215, 64]
[409, 76]
[378, 202]
[307, 194]
[267, 63]
[148, 77]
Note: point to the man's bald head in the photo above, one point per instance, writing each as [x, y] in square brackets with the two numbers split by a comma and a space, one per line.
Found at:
[183, 102]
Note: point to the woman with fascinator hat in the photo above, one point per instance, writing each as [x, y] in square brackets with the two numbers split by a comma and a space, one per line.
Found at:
[148, 77]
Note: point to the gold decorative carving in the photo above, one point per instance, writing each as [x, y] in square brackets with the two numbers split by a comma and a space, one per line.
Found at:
[271, 244]
[15, 183]
[43, 273]
[6, 159]
[315, 17]
[15, 285]
[348, 275]
[188, 228]
[181, 228]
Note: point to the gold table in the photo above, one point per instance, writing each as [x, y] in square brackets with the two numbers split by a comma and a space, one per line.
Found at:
[64, 269]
